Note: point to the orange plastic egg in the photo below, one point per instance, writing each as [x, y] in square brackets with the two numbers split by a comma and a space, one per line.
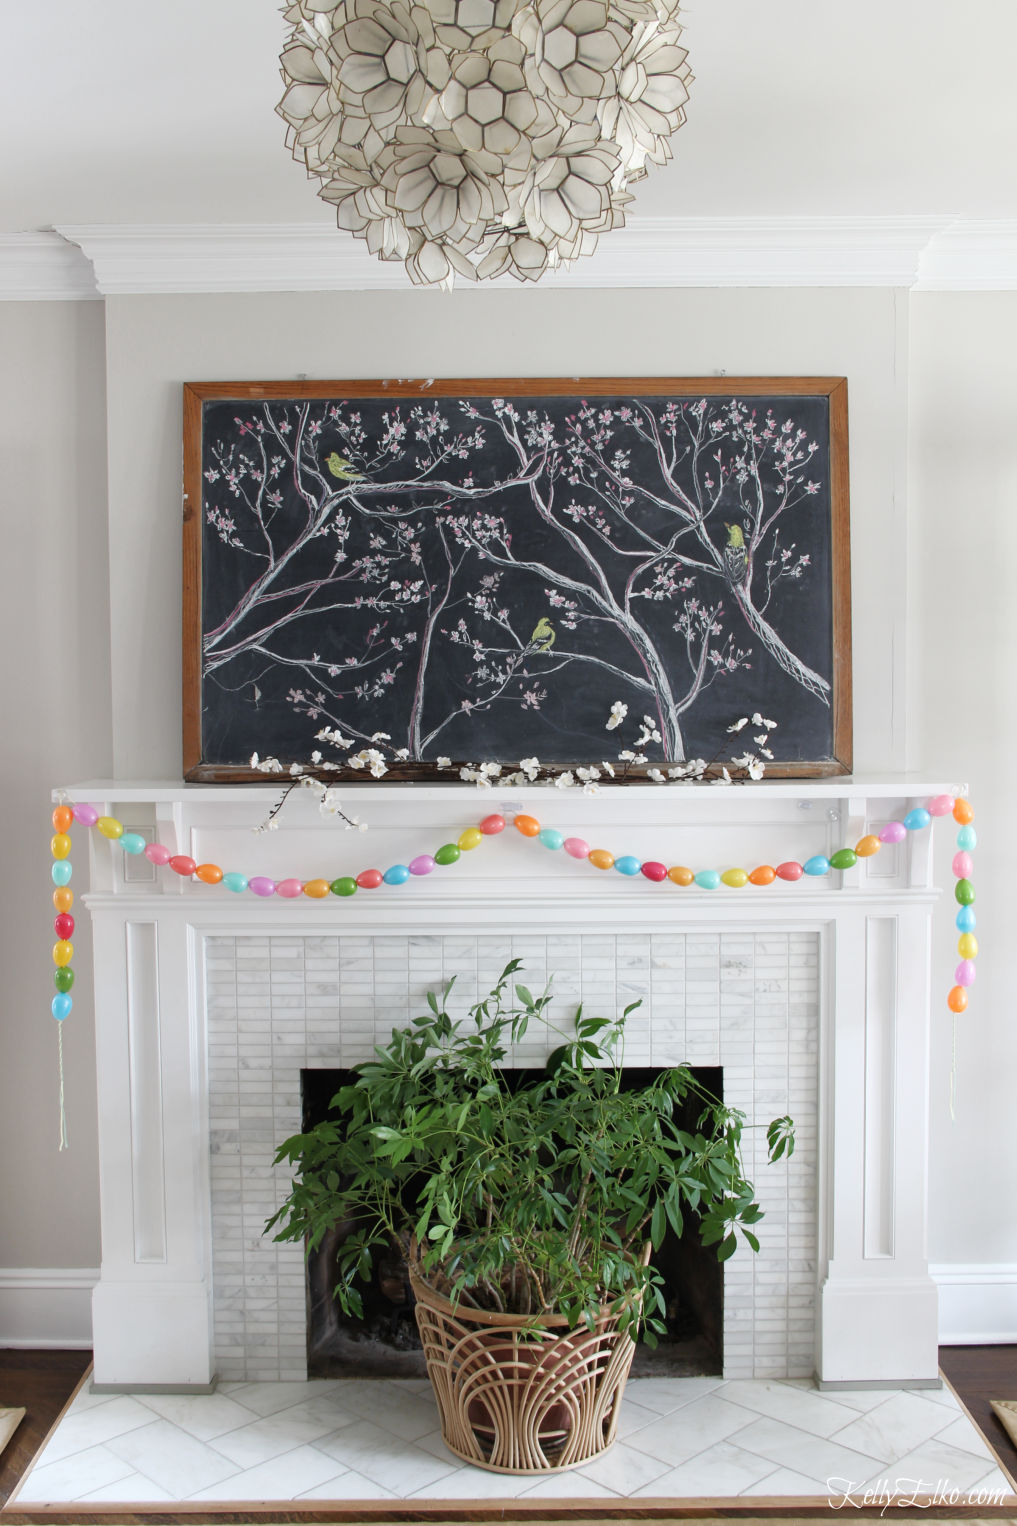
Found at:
[528, 825]
[316, 889]
[62, 818]
[764, 875]
[680, 875]
[963, 812]
[63, 899]
[957, 1000]
[211, 874]
[600, 858]
[866, 846]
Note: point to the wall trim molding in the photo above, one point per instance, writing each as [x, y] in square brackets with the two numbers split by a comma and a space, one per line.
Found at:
[44, 267]
[933, 253]
[977, 1303]
[47, 1308]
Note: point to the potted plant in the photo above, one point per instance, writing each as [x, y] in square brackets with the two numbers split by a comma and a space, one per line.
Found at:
[526, 1212]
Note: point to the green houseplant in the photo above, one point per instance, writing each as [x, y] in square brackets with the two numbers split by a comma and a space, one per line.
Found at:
[526, 1213]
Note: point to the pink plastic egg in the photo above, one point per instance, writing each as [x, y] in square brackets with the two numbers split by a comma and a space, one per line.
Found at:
[370, 879]
[940, 805]
[157, 853]
[963, 865]
[790, 871]
[577, 847]
[491, 825]
[289, 888]
[654, 871]
[894, 831]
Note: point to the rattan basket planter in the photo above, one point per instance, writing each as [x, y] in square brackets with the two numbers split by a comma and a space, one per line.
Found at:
[515, 1398]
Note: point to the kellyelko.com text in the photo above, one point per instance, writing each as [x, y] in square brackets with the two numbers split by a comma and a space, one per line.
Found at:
[908, 1493]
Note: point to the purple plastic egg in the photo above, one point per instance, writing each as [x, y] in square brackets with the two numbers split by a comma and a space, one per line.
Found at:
[965, 973]
[423, 864]
[86, 814]
[894, 831]
[261, 886]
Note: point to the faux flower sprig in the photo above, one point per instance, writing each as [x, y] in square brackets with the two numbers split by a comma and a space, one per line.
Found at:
[375, 760]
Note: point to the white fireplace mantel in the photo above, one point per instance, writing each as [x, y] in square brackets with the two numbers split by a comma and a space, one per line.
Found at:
[152, 1308]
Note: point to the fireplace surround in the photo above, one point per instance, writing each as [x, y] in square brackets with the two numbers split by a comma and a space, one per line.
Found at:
[814, 997]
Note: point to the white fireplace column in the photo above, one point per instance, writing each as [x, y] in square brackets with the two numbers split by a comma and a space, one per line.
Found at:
[152, 1308]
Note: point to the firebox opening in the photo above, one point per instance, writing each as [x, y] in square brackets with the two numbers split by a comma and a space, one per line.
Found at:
[384, 1344]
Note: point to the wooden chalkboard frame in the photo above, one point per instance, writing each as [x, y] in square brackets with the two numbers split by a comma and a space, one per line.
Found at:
[837, 608]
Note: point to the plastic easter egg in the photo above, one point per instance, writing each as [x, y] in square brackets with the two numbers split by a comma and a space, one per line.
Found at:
[422, 864]
[132, 842]
[235, 882]
[736, 878]
[966, 921]
[370, 879]
[470, 839]
[492, 825]
[398, 874]
[967, 946]
[894, 831]
[551, 839]
[208, 874]
[964, 893]
[529, 826]
[627, 864]
[63, 899]
[678, 874]
[447, 854]
[60, 871]
[967, 838]
[61, 1006]
[261, 885]
[654, 871]
[964, 974]
[866, 846]
[60, 845]
[844, 858]
[183, 864]
[157, 853]
[963, 865]
[316, 889]
[791, 870]
[708, 879]
[110, 827]
[940, 805]
[344, 885]
[600, 858]
[63, 952]
[62, 818]
[577, 847]
[88, 815]
[957, 1000]
[63, 978]
[917, 819]
[764, 874]
[63, 925]
[963, 812]
[817, 864]
[290, 889]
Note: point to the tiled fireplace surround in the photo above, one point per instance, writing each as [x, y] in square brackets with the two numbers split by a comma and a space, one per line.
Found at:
[813, 997]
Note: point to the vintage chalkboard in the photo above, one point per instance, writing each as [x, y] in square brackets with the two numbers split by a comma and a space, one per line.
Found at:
[480, 569]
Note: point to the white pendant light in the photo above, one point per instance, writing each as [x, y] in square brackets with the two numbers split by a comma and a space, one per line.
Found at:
[478, 137]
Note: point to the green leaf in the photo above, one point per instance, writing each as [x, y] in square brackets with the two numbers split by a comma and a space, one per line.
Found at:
[524, 996]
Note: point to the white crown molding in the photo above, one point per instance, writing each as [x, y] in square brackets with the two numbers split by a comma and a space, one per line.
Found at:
[919, 253]
[43, 267]
[971, 255]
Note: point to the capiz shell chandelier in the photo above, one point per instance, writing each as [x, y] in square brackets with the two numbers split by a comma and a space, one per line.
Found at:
[479, 137]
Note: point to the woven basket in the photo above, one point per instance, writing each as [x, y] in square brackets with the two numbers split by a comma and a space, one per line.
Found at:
[515, 1398]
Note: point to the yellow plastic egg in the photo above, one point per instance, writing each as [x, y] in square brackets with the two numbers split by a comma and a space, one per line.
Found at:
[60, 845]
[471, 838]
[967, 946]
[110, 827]
[63, 952]
[736, 878]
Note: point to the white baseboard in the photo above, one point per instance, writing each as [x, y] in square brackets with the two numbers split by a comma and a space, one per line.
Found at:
[46, 1308]
[977, 1303]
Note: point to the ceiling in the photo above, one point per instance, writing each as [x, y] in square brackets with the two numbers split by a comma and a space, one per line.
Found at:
[125, 112]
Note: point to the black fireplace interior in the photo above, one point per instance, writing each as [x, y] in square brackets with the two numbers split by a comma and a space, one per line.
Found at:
[385, 1344]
